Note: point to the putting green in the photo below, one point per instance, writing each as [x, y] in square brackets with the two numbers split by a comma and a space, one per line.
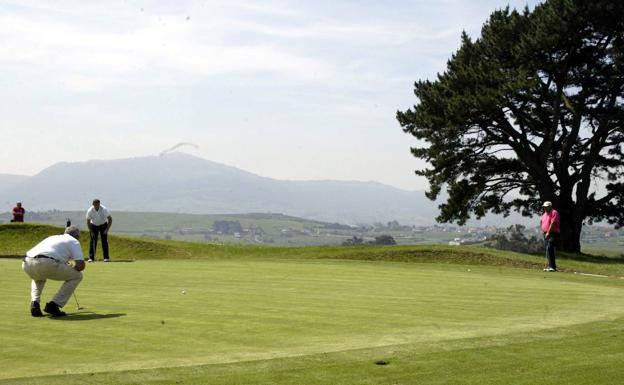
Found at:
[136, 315]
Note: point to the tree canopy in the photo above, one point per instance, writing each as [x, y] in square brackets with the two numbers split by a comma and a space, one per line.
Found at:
[532, 110]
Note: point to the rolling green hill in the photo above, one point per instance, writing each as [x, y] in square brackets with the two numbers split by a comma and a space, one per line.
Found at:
[259, 228]
[16, 239]
[282, 230]
[139, 222]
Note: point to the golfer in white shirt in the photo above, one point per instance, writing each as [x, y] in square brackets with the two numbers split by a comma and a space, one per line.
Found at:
[99, 222]
[59, 258]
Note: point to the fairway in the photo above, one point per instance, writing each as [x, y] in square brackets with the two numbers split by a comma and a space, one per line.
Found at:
[189, 313]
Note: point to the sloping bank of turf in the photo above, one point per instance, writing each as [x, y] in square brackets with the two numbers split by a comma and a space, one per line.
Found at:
[16, 239]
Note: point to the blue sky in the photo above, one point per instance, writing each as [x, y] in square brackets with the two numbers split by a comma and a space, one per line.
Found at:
[286, 89]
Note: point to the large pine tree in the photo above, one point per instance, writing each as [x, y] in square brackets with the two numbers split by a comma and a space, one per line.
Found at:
[532, 110]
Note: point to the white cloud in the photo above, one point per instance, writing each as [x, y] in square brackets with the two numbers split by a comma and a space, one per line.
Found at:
[86, 58]
[89, 47]
[81, 113]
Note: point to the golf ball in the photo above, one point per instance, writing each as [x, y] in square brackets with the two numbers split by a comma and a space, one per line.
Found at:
[183, 291]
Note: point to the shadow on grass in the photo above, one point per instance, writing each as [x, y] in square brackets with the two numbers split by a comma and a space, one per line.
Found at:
[11, 256]
[87, 316]
[581, 257]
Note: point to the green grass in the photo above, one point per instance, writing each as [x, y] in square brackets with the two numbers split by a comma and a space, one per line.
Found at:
[256, 315]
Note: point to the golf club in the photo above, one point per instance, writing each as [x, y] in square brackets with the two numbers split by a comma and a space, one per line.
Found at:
[77, 304]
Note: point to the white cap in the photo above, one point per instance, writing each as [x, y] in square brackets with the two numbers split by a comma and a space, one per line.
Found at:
[547, 204]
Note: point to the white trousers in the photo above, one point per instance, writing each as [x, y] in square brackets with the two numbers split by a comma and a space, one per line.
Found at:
[42, 269]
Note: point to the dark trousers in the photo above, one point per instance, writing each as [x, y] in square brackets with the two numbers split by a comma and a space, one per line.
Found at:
[550, 242]
[95, 230]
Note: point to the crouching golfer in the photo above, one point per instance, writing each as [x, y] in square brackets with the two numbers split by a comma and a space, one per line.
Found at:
[50, 259]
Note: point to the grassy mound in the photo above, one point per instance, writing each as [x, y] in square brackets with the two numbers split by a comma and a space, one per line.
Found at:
[16, 239]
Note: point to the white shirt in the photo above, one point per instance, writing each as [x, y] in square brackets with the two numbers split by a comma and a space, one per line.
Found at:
[98, 217]
[60, 247]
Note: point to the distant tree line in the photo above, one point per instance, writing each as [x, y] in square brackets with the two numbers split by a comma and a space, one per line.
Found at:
[227, 227]
[337, 226]
[379, 240]
[514, 238]
[389, 226]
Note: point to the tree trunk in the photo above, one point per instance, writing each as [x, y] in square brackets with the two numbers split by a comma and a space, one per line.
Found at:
[570, 231]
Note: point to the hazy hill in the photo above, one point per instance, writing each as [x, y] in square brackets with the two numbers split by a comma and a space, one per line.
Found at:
[8, 180]
[179, 182]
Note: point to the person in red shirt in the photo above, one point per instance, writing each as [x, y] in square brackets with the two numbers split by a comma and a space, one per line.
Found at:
[551, 226]
[18, 213]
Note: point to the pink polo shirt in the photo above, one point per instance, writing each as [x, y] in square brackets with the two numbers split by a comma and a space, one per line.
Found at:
[550, 217]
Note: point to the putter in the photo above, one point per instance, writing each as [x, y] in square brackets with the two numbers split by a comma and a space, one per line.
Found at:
[77, 304]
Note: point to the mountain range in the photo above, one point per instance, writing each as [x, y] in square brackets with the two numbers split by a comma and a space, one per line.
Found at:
[178, 182]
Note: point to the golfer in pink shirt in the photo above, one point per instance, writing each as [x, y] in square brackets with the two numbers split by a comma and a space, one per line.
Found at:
[550, 224]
